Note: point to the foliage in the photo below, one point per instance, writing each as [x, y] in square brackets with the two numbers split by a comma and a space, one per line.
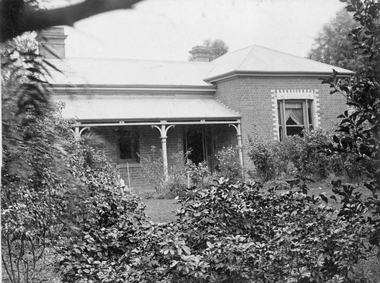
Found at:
[35, 140]
[153, 171]
[307, 156]
[335, 46]
[263, 158]
[182, 173]
[359, 128]
[177, 178]
[228, 163]
[217, 48]
[107, 221]
[79, 208]
[303, 155]
[55, 191]
[20, 16]
[238, 232]
[33, 200]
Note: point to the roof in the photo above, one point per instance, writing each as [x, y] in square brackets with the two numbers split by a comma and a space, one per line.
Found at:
[97, 71]
[261, 60]
[252, 60]
[143, 107]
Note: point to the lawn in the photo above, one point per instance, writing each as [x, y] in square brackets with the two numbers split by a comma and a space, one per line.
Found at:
[161, 210]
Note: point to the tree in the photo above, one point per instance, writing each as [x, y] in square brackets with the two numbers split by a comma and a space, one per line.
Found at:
[51, 183]
[335, 46]
[359, 129]
[19, 16]
[217, 48]
[332, 45]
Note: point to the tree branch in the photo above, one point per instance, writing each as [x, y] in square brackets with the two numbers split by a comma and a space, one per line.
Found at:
[17, 17]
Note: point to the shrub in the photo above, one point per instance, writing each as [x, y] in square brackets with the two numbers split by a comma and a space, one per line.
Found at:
[106, 221]
[238, 232]
[228, 163]
[64, 212]
[182, 173]
[306, 155]
[262, 156]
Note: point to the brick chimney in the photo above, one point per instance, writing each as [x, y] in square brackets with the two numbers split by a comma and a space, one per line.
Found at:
[200, 54]
[52, 43]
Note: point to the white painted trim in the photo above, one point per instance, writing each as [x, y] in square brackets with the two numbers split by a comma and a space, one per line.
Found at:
[275, 115]
[317, 108]
[302, 94]
[294, 94]
[132, 88]
[122, 123]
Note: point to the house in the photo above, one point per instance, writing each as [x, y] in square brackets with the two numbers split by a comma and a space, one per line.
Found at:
[143, 108]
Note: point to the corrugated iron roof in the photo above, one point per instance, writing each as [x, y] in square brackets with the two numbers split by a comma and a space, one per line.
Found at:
[254, 60]
[143, 107]
[130, 72]
[261, 60]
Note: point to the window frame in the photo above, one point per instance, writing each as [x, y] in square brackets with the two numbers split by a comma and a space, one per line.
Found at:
[307, 115]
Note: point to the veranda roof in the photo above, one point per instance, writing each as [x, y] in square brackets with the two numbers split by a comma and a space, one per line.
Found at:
[144, 108]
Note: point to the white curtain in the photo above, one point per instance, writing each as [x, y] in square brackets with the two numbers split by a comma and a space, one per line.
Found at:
[295, 114]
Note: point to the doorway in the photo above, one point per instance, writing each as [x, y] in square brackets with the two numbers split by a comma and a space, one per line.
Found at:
[197, 139]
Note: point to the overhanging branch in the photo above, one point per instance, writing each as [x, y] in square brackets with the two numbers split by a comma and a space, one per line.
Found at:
[17, 17]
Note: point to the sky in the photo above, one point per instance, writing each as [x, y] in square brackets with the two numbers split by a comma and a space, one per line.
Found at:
[168, 29]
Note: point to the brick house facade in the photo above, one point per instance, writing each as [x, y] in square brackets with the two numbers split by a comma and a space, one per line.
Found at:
[144, 108]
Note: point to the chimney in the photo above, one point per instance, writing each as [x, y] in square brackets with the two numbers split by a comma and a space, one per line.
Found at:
[52, 43]
[200, 54]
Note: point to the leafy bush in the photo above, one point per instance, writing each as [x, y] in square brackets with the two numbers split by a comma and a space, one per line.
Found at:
[182, 173]
[62, 202]
[228, 163]
[238, 232]
[264, 159]
[107, 221]
[304, 155]
[33, 194]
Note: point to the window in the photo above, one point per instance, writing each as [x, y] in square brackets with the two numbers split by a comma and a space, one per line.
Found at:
[128, 145]
[294, 116]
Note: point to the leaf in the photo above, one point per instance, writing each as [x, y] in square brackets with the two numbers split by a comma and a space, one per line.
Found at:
[324, 198]
[186, 249]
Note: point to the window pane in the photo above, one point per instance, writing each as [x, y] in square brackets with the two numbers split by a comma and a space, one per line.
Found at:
[294, 117]
[128, 145]
[291, 131]
[309, 112]
[293, 105]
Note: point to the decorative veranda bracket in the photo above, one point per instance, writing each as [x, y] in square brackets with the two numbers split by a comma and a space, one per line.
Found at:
[240, 144]
[79, 131]
[163, 131]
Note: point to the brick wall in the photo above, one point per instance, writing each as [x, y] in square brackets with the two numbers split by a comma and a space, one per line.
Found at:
[253, 99]
[150, 145]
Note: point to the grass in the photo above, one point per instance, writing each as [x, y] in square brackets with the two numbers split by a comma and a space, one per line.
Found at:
[161, 210]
